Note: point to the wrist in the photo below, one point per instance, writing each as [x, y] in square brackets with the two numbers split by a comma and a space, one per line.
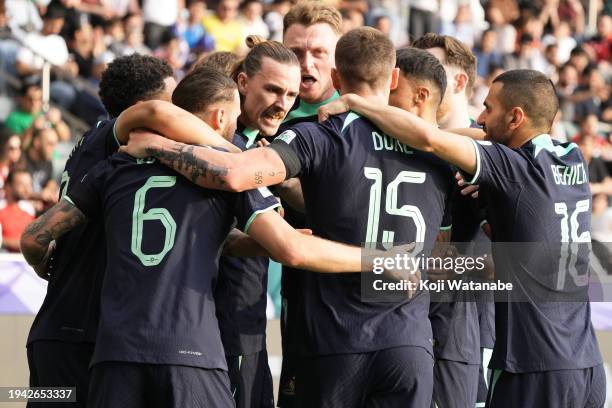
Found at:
[158, 144]
[349, 101]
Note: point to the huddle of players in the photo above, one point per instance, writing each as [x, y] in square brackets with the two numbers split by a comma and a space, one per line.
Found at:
[337, 351]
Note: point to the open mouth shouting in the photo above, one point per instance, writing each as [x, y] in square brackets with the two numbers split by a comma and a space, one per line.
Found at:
[307, 81]
[273, 117]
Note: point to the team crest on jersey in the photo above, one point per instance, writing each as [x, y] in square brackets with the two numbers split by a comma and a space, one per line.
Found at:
[287, 136]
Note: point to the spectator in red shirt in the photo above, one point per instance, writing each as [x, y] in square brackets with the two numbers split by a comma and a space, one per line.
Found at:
[18, 212]
[601, 43]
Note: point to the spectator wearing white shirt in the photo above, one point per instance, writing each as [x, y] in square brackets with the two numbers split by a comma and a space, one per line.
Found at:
[48, 45]
[23, 15]
[133, 38]
[251, 12]
[44, 45]
[564, 40]
[422, 17]
[159, 17]
[527, 56]
[274, 18]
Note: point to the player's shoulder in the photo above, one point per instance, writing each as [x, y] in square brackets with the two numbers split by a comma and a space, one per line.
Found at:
[335, 125]
[95, 138]
[545, 148]
[102, 128]
[303, 129]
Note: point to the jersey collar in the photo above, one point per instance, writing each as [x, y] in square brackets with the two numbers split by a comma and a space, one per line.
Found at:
[247, 133]
[309, 109]
[544, 142]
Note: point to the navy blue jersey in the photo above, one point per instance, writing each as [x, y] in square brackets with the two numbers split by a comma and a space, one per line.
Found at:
[361, 186]
[456, 325]
[163, 238]
[71, 307]
[300, 112]
[241, 292]
[539, 194]
[290, 278]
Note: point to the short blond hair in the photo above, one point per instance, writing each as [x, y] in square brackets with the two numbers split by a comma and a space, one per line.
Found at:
[308, 13]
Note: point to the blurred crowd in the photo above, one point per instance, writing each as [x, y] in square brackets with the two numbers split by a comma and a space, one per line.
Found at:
[80, 37]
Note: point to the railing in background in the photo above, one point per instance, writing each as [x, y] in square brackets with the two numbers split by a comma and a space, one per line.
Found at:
[77, 125]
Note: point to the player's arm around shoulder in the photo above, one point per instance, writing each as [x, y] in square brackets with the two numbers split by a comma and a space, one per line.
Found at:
[409, 129]
[170, 121]
[211, 168]
[36, 240]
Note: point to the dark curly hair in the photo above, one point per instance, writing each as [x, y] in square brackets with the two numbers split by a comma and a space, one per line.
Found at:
[130, 79]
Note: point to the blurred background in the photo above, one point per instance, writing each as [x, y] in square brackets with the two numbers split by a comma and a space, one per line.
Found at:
[52, 54]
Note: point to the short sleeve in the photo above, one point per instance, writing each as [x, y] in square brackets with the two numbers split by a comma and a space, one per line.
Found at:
[87, 193]
[496, 165]
[251, 203]
[301, 148]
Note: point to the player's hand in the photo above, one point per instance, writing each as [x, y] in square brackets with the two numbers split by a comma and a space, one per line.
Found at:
[139, 143]
[334, 107]
[304, 231]
[399, 273]
[467, 189]
[263, 142]
[442, 251]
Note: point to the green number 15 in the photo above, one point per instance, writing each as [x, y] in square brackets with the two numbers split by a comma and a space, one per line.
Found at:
[160, 214]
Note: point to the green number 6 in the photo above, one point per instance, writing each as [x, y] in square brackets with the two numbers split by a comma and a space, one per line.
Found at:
[160, 214]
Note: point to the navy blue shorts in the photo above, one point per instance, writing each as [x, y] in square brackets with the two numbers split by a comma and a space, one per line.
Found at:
[286, 385]
[133, 385]
[251, 380]
[455, 384]
[60, 364]
[396, 377]
[548, 389]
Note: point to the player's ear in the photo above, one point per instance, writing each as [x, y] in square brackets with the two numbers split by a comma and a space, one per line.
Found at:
[218, 117]
[461, 80]
[394, 78]
[335, 78]
[422, 95]
[517, 117]
[243, 81]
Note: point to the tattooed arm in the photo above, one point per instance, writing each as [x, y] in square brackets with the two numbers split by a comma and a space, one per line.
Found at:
[208, 167]
[172, 122]
[37, 238]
